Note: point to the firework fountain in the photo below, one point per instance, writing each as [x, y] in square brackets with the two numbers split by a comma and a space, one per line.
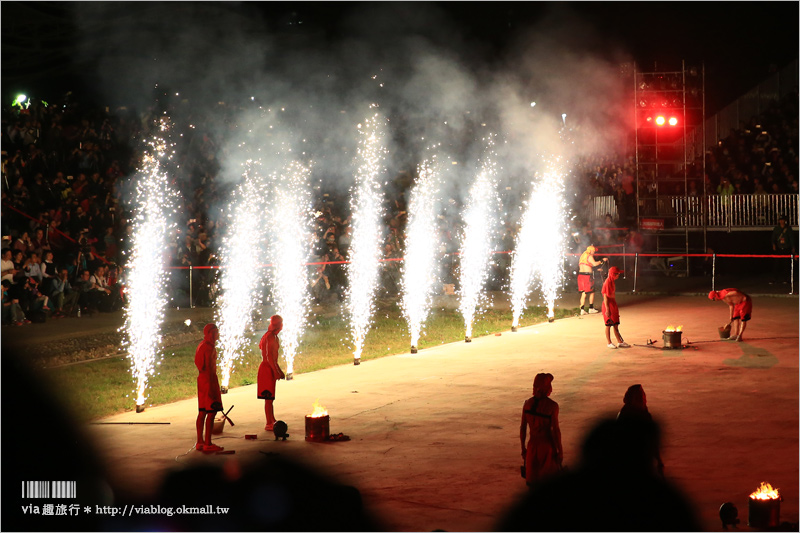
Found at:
[476, 242]
[421, 258]
[289, 250]
[539, 247]
[365, 247]
[146, 276]
[242, 275]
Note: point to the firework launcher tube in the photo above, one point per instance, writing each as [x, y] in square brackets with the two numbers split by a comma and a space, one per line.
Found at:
[513, 329]
[289, 376]
[356, 361]
[413, 349]
[139, 408]
[223, 390]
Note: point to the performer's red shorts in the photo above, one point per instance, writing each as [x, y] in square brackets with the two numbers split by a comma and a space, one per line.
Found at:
[610, 312]
[743, 310]
[585, 282]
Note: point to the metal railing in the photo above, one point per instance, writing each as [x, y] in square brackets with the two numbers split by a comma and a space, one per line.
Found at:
[734, 211]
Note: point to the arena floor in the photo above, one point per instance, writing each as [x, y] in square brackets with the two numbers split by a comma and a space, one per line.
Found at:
[434, 437]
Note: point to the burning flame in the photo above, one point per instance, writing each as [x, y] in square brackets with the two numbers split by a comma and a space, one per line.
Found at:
[319, 411]
[673, 328]
[765, 492]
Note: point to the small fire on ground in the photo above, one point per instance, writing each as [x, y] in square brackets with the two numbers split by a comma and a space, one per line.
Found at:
[673, 328]
[765, 492]
[319, 411]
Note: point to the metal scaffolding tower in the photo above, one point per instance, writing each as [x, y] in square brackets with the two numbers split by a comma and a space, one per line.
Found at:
[669, 110]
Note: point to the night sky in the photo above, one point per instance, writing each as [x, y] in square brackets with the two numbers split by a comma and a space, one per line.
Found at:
[45, 45]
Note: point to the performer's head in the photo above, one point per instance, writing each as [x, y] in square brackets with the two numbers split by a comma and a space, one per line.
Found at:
[614, 272]
[635, 396]
[713, 295]
[275, 324]
[542, 385]
[211, 332]
[591, 249]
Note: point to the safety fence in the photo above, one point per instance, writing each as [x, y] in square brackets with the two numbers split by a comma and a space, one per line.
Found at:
[732, 211]
[634, 260]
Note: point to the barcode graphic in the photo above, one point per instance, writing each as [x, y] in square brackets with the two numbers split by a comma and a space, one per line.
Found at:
[49, 489]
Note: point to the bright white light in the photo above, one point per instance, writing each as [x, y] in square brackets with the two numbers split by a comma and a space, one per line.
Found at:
[241, 275]
[564, 118]
[533, 104]
[421, 257]
[477, 238]
[289, 249]
[365, 247]
[188, 321]
[539, 245]
[145, 273]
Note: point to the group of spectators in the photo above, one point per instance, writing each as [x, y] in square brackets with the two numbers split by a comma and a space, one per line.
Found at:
[66, 201]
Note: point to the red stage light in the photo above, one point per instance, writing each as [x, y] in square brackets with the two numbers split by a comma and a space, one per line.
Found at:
[673, 121]
[660, 120]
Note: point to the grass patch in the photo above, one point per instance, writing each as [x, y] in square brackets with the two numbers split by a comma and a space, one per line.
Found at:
[103, 388]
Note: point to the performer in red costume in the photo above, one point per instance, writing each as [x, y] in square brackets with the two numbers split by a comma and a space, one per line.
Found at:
[611, 310]
[269, 372]
[543, 454]
[209, 399]
[586, 265]
[741, 306]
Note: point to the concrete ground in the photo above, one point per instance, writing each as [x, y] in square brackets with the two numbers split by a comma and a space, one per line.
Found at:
[435, 435]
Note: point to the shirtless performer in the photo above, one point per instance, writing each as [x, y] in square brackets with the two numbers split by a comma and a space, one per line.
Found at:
[741, 306]
[586, 264]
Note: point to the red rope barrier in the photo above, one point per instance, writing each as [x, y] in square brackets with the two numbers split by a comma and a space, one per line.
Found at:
[39, 221]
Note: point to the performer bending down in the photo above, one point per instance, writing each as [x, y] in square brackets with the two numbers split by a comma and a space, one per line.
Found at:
[741, 306]
[269, 372]
[209, 399]
[586, 266]
[611, 310]
[543, 454]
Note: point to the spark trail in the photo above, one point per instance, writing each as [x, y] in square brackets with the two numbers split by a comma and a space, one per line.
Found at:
[539, 248]
[420, 265]
[480, 222]
[289, 250]
[365, 247]
[146, 275]
[241, 276]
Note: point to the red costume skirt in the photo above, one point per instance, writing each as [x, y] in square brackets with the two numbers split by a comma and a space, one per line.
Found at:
[585, 282]
[611, 312]
[266, 382]
[743, 310]
[209, 397]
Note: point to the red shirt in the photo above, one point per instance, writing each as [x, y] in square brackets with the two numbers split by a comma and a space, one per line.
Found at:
[609, 288]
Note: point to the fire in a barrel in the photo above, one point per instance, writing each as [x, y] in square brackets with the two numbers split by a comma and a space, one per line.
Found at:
[672, 337]
[764, 507]
[318, 423]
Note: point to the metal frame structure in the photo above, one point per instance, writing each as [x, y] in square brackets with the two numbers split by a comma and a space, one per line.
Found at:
[668, 156]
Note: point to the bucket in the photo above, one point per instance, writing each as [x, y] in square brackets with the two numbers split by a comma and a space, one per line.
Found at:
[763, 514]
[724, 331]
[318, 428]
[219, 424]
[672, 339]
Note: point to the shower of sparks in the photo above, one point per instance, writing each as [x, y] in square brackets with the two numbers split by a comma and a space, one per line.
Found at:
[146, 275]
[290, 222]
[421, 256]
[480, 221]
[242, 275]
[365, 247]
[538, 252]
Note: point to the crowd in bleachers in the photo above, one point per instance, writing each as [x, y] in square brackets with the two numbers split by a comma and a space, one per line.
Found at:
[65, 203]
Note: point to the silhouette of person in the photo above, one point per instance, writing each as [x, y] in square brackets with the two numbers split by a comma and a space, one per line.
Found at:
[635, 408]
[543, 454]
[614, 488]
[269, 372]
[209, 397]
